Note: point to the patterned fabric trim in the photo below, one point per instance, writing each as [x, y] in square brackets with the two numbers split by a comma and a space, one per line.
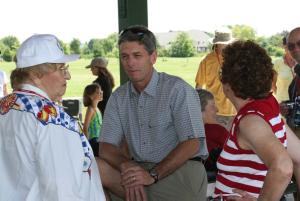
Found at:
[47, 113]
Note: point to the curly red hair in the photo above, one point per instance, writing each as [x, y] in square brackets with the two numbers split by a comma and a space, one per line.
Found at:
[248, 70]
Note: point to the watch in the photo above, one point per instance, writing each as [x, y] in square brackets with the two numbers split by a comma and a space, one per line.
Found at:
[153, 173]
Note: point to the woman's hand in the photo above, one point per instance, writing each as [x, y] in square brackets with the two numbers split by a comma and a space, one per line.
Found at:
[242, 196]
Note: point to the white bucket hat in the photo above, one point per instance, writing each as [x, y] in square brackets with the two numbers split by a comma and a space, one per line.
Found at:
[42, 48]
[223, 36]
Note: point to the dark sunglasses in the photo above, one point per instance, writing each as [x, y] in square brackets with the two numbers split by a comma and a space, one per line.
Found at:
[134, 30]
[292, 46]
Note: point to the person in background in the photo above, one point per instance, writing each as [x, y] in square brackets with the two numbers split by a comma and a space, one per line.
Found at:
[258, 158]
[92, 95]
[105, 79]
[43, 153]
[3, 84]
[208, 77]
[291, 109]
[284, 68]
[159, 117]
[293, 45]
[216, 134]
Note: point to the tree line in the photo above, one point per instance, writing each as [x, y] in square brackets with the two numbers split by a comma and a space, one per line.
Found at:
[182, 46]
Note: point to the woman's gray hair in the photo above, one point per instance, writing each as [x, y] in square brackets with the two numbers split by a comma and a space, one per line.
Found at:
[21, 76]
[204, 97]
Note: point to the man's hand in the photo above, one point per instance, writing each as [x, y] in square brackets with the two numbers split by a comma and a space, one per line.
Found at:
[136, 193]
[133, 178]
[132, 174]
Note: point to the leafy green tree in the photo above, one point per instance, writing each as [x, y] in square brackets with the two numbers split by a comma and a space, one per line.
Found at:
[262, 41]
[65, 47]
[272, 44]
[110, 43]
[162, 51]
[11, 42]
[113, 53]
[85, 51]
[275, 40]
[243, 32]
[102, 47]
[75, 46]
[8, 55]
[182, 46]
[96, 47]
[2, 47]
[8, 47]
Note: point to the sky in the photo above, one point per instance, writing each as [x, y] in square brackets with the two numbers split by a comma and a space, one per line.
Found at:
[87, 19]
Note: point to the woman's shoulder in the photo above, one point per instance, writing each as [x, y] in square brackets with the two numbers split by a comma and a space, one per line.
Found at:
[90, 109]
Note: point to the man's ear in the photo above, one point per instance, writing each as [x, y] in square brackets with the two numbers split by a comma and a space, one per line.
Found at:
[153, 57]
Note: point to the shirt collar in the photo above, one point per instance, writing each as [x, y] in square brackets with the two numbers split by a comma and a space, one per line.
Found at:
[151, 87]
[34, 89]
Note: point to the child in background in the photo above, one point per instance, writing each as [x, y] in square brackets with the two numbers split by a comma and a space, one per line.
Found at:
[92, 95]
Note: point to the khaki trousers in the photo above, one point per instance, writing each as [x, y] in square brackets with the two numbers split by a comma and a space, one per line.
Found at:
[188, 183]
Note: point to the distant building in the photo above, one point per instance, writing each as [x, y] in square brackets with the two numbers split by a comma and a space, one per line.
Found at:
[201, 39]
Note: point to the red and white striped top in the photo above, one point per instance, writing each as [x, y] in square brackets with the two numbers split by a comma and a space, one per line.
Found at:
[243, 169]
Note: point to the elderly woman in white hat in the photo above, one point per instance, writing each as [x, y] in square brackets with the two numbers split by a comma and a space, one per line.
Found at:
[208, 77]
[43, 153]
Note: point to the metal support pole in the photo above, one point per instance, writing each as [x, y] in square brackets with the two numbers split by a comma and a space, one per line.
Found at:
[131, 12]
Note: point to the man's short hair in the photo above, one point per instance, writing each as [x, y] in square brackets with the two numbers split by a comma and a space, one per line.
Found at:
[140, 34]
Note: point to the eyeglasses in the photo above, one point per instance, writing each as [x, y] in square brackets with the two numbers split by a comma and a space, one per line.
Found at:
[64, 69]
[292, 46]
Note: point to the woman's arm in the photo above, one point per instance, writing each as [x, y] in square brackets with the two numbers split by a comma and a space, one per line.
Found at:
[257, 135]
[293, 149]
[88, 117]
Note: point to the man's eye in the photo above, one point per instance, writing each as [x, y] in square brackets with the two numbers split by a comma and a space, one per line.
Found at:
[124, 57]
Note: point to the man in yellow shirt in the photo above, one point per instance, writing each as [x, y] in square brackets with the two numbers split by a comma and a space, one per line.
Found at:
[208, 77]
[285, 73]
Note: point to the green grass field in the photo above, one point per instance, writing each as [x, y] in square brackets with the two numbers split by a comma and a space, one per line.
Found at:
[186, 68]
